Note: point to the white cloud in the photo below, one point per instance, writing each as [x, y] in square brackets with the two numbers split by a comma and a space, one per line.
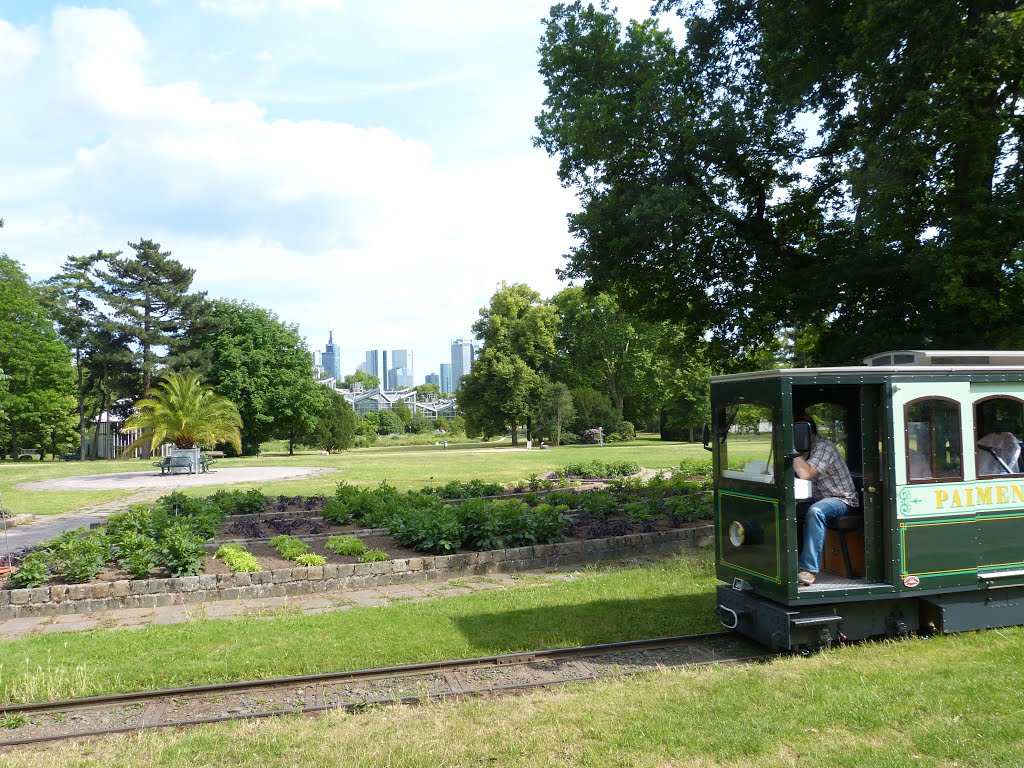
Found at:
[17, 48]
[329, 223]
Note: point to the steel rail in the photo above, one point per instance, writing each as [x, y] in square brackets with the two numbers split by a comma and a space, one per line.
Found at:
[411, 671]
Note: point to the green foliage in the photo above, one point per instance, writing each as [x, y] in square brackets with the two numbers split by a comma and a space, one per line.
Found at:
[263, 366]
[334, 424]
[237, 558]
[37, 395]
[289, 547]
[136, 552]
[458, 489]
[374, 556]
[549, 523]
[12, 720]
[251, 502]
[182, 549]
[181, 410]
[33, 571]
[390, 423]
[427, 525]
[77, 556]
[598, 469]
[696, 201]
[309, 559]
[346, 545]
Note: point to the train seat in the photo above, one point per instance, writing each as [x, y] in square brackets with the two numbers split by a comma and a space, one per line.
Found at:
[849, 530]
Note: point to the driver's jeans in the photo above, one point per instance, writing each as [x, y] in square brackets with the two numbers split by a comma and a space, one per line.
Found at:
[816, 517]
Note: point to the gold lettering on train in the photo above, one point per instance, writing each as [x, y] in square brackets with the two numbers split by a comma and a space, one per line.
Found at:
[979, 496]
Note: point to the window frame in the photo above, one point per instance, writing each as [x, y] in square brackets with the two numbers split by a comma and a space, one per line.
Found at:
[721, 446]
[906, 441]
[974, 413]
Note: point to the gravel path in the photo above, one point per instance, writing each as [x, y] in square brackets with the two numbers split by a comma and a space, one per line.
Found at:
[147, 486]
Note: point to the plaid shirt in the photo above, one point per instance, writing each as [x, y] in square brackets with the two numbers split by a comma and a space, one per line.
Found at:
[833, 480]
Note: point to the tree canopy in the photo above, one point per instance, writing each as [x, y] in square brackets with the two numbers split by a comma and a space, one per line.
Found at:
[853, 167]
[183, 411]
[263, 366]
[37, 393]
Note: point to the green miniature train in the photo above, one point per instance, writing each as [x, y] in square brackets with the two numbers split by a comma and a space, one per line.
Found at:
[936, 544]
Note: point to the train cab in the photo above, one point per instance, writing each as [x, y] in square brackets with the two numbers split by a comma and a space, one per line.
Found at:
[935, 541]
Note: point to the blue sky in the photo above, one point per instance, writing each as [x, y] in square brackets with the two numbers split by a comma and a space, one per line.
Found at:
[355, 166]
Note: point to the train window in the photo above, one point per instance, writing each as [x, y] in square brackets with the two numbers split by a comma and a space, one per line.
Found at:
[933, 440]
[746, 437]
[998, 424]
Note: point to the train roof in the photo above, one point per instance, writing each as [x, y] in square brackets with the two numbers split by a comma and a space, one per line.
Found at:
[913, 362]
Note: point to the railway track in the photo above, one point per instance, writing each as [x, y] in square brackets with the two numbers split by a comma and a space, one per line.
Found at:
[352, 691]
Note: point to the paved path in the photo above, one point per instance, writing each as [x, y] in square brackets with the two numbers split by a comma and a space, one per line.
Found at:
[134, 618]
[147, 486]
[165, 483]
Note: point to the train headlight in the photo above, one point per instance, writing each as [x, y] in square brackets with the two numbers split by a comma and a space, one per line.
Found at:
[737, 535]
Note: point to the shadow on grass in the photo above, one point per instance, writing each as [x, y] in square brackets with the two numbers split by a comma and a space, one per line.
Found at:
[590, 623]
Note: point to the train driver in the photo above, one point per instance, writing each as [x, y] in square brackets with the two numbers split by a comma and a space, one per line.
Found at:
[833, 494]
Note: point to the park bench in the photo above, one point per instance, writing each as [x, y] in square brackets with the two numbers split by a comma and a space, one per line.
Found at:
[169, 463]
[206, 459]
[69, 457]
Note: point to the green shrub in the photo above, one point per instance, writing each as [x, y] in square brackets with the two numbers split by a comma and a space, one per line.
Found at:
[599, 504]
[137, 553]
[598, 469]
[549, 523]
[237, 558]
[640, 512]
[289, 547]
[346, 545]
[251, 502]
[516, 523]
[78, 555]
[374, 556]
[310, 559]
[33, 571]
[182, 550]
[482, 530]
[473, 489]
[695, 467]
[427, 525]
[345, 505]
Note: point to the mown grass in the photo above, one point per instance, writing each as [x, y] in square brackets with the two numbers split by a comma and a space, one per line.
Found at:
[673, 596]
[950, 701]
[406, 468]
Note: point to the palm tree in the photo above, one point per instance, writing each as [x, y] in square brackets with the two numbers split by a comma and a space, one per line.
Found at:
[181, 409]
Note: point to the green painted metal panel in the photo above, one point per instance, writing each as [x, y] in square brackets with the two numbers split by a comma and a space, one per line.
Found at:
[760, 557]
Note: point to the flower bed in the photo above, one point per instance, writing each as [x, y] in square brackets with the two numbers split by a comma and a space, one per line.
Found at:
[236, 533]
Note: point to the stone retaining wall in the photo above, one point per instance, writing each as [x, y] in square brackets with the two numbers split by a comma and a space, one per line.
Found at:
[64, 599]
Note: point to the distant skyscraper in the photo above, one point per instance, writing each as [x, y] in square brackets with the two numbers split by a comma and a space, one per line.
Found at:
[446, 378]
[331, 358]
[372, 364]
[385, 382]
[432, 378]
[462, 360]
[401, 372]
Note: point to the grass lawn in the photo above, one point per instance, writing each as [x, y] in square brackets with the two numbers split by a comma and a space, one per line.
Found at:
[949, 701]
[407, 467]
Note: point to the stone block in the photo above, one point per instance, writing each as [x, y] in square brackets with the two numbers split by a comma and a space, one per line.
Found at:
[361, 569]
[315, 573]
[381, 568]
[119, 588]
[277, 590]
[243, 579]
[485, 557]
[5, 598]
[207, 581]
[415, 563]
[101, 590]
[75, 592]
[20, 596]
[164, 599]
[188, 583]
[58, 594]
[301, 573]
[261, 577]
[281, 575]
[231, 593]
[39, 595]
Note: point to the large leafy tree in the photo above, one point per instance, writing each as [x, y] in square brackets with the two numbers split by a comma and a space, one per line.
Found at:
[263, 366]
[71, 300]
[39, 401]
[180, 409]
[602, 346]
[148, 294]
[518, 332]
[852, 166]
[334, 426]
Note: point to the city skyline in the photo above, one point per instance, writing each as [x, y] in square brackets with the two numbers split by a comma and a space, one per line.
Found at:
[363, 167]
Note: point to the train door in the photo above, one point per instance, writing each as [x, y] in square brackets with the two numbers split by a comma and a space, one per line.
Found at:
[852, 417]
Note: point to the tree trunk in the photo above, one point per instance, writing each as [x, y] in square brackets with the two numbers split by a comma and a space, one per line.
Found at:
[515, 434]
